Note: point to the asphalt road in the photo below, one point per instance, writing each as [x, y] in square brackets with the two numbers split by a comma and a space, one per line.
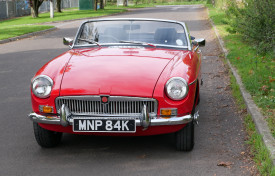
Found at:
[219, 138]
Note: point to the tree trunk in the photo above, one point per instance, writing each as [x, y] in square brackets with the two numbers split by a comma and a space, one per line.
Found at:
[51, 9]
[35, 4]
[101, 4]
[125, 3]
[58, 5]
[95, 5]
[34, 12]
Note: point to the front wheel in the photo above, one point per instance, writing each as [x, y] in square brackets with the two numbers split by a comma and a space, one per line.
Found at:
[46, 138]
[185, 138]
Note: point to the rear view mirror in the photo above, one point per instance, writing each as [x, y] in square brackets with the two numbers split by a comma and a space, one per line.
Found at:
[131, 27]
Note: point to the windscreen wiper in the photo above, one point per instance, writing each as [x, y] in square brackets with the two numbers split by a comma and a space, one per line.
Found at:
[138, 42]
[90, 41]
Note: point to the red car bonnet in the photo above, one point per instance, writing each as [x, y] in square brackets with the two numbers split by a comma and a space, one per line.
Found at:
[114, 71]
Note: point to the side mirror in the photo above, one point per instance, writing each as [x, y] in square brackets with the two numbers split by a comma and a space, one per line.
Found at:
[68, 41]
[200, 42]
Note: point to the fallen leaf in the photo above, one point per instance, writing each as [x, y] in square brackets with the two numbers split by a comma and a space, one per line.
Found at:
[224, 164]
[270, 79]
[216, 76]
[142, 156]
[264, 88]
[227, 88]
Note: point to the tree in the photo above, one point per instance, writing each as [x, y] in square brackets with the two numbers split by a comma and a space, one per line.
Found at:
[35, 4]
[95, 4]
[51, 9]
[125, 3]
[58, 5]
[101, 4]
[254, 20]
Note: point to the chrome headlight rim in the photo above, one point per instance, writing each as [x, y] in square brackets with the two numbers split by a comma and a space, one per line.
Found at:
[48, 79]
[177, 78]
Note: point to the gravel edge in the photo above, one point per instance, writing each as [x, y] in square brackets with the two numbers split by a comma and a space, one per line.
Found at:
[258, 118]
[27, 35]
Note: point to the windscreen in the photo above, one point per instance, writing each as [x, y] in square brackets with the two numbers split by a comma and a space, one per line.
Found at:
[116, 32]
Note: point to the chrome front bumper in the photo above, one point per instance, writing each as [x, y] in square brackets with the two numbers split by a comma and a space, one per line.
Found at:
[154, 122]
[66, 118]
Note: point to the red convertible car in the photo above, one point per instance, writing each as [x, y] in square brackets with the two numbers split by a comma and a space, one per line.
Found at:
[121, 77]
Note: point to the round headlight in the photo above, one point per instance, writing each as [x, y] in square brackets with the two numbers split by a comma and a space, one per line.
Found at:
[176, 88]
[42, 86]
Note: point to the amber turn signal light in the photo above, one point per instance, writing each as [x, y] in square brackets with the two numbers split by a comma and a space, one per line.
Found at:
[168, 112]
[46, 109]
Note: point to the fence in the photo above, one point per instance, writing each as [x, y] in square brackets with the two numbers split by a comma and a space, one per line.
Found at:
[16, 8]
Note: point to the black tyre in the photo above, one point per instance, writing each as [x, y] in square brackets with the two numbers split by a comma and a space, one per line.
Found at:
[185, 138]
[46, 138]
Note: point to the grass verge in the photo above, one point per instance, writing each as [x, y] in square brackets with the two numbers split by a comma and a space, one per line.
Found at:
[20, 30]
[65, 15]
[24, 25]
[112, 5]
[258, 150]
[256, 72]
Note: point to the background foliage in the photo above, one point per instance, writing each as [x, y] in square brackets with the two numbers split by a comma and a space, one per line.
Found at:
[248, 31]
[255, 21]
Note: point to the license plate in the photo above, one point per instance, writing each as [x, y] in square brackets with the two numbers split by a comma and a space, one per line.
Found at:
[104, 125]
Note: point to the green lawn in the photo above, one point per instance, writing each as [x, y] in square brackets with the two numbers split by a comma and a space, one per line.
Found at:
[12, 31]
[65, 15]
[257, 73]
[19, 26]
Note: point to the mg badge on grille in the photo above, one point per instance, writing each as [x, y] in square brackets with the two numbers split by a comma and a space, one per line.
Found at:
[104, 99]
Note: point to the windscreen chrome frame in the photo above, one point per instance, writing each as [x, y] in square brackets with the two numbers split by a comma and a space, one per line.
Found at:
[135, 19]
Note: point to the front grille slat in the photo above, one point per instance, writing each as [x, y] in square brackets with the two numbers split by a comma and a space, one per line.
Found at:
[124, 106]
[136, 107]
[93, 107]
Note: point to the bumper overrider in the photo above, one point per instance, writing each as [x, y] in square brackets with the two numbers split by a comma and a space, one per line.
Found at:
[65, 118]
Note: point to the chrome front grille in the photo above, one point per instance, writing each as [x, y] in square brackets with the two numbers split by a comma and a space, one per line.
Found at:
[116, 106]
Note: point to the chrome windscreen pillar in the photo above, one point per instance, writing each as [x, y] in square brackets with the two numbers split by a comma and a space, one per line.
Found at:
[145, 119]
[64, 115]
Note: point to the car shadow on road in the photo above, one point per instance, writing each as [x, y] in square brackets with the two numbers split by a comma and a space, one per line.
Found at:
[119, 144]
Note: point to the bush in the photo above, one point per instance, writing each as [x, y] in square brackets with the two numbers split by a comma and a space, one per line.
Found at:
[255, 21]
